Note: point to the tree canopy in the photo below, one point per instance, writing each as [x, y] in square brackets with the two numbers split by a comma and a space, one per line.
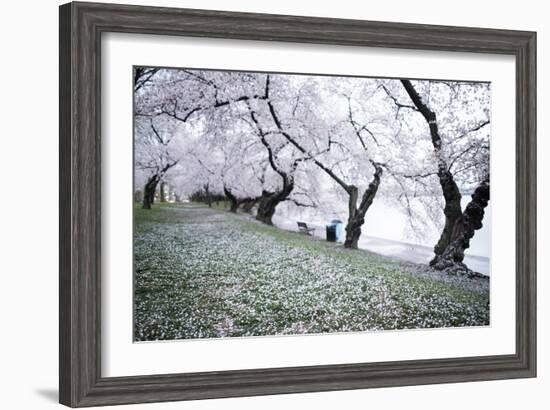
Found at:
[262, 140]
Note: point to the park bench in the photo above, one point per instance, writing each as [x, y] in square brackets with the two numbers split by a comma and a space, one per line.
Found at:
[302, 226]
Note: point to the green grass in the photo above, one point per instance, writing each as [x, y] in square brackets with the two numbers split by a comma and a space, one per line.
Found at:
[203, 272]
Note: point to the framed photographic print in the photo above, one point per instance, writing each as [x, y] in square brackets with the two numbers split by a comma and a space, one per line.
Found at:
[260, 204]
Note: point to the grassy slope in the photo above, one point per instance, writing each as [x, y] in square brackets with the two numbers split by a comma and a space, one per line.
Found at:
[207, 273]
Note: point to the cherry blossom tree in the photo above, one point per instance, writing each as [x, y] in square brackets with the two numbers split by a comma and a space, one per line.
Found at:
[456, 118]
[261, 140]
[334, 139]
[155, 155]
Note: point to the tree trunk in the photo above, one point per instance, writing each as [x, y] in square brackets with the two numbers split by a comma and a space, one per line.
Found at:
[151, 185]
[452, 256]
[149, 191]
[459, 227]
[356, 215]
[452, 211]
[266, 207]
[353, 227]
[207, 195]
[233, 200]
[248, 203]
[270, 200]
[163, 191]
[451, 193]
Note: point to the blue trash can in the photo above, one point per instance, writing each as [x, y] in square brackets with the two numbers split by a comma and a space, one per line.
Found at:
[331, 232]
[337, 226]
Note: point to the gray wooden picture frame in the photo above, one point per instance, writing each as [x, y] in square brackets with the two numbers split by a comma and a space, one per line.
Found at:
[81, 27]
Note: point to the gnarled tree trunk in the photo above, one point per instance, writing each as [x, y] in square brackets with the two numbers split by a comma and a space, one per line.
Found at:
[356, 215]
[463, 230]
[459, 227]
[269, 201]
[353, 226]
[452, 212]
